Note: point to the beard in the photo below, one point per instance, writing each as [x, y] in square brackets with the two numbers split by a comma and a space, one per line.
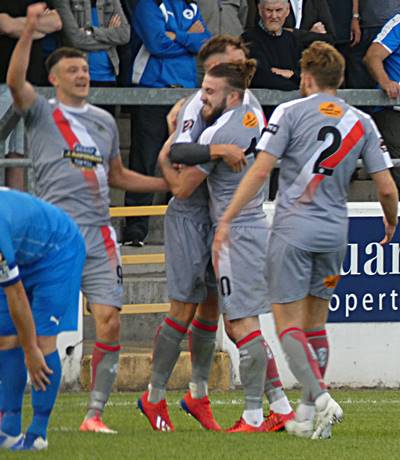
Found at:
[211, 116]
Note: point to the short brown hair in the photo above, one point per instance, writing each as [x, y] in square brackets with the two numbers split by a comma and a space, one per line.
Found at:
[61, 53]
[324, 63]
[218, 45]
[237, 74]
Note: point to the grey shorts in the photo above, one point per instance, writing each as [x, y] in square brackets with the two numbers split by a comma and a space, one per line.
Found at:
[15, 141]
[295, 273]
[102, 273]
[242, 282]
[187, 259]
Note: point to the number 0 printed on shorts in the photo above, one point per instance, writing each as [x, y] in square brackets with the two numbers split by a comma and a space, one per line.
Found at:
[225, 285]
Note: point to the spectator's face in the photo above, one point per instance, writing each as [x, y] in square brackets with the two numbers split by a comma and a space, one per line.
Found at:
[231, 54]
[273, 15]
[70, 76]
[214, 94]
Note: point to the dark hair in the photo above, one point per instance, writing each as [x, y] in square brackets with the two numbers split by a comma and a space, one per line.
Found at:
[324, 63]
[61, 53]
[237, 74]
[218, 45]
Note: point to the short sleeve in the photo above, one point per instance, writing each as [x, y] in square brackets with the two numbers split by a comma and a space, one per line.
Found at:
[189, 118]
[375, 154]
[277, 134]
[389, 36]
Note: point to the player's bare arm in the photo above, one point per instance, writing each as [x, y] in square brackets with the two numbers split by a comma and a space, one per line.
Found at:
[388, 197]
[374, 58]
[249, 186]
[21, 314]
[131, 181]
[23, 92]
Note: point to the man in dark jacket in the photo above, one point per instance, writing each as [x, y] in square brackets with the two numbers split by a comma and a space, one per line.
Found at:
[276, 50]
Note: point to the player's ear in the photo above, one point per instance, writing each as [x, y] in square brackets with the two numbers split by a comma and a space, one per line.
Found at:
[52, 78]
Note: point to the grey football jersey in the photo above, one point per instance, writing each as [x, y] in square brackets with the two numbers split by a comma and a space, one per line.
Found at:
[319, 140]
[241, 126]
[189, 128]
[71, 150]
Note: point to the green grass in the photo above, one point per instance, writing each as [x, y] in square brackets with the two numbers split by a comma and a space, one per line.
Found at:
[370, 431]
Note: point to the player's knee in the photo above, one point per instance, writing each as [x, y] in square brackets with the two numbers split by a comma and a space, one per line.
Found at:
[108, 325]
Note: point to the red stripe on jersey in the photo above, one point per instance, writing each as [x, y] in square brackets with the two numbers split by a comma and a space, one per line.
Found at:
[248, 338]
[66, 131]
[354, 135]
[109, 243]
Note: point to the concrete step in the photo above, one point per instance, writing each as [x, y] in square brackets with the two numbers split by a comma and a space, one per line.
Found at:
[135, 368]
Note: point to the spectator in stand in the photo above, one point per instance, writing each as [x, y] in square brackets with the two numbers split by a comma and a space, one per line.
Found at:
[224, 16]
[311, 20]
[12, 22]
[383, 62]
[167, 37]
[96, 27]
[371, 15]
[276, 50]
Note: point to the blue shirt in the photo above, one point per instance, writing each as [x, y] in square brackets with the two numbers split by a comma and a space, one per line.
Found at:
[29, 230]
[100, 65]
[389, 38]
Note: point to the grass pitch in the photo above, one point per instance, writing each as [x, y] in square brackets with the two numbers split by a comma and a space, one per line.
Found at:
[370, 431]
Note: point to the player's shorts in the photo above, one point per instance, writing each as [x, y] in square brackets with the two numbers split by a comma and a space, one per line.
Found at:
[188, 259]
[52, 286]
[242, 282]
[296, 273]
[15, 141]
[102, 274]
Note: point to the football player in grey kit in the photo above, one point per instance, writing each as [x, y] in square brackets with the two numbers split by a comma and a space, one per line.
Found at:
[75, 151]
[243, 293]
[319, 140]
[187, 247]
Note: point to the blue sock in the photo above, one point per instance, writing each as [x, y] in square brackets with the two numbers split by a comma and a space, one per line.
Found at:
[13, 381]
[43, 401]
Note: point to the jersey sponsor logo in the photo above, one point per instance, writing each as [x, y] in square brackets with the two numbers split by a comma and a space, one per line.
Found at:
[187, 124]
[271, 128]
[331, 109]
[188, 14]
[250, 120]
[331, 281]
[83, 157]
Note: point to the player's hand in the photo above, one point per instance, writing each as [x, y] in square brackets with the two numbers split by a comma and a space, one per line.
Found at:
[33, 14]
[196, 28]
[221, 238]
[389, 232]
[115, 21]
[318, 27]
[172, 116]
[163, 156]
[37, 368]
[234, 157]
[392, 89]
[355, 32]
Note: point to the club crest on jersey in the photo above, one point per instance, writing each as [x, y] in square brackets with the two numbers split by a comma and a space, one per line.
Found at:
[187, 124]
[250, 120]
[83, 157]
[272, 128]
[330, 109]
[188, 14]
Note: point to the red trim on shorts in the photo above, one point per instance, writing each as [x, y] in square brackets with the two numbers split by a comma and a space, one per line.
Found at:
[176, 326]
[109, 243]
[290, 329]
[105, 347]
[321, 333]
[248, 338]
[204, 327]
